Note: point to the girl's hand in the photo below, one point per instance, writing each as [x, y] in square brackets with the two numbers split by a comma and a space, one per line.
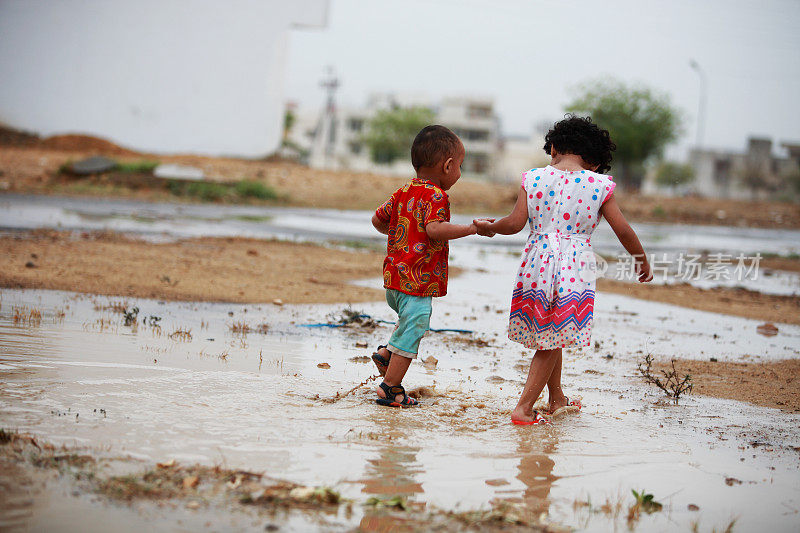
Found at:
[483, 226]
[643, 271]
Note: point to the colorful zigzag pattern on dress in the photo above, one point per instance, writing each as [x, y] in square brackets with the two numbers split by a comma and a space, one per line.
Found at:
[534, 308]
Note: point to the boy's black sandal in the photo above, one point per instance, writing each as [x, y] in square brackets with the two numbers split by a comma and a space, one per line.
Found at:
[380, 361]
[391, 394]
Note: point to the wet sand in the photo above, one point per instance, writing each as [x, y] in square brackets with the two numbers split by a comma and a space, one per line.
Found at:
[728, 301]
[206, 270]
[775, 384]
[257, 271]
[32, 167]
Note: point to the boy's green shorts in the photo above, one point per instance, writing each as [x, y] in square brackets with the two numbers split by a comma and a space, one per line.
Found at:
[413, 320]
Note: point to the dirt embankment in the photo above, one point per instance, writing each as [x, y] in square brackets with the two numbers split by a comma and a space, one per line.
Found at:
[29, 164]
[775, 384]
[248, 270]
[728, 301]
[208, 269]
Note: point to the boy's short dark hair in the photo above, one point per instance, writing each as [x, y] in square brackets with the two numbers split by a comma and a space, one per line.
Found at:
[581, 136]
[432, 144]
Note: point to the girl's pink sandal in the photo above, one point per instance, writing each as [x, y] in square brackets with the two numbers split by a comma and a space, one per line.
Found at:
[538, 419]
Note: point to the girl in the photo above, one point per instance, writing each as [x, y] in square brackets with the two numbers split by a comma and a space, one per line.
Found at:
[553, 297]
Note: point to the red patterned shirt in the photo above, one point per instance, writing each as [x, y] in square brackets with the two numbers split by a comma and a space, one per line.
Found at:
[415, 264]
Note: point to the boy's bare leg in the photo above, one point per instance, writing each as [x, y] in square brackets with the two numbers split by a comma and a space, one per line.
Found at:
[556, 396]
[538, 375]
[398, 366]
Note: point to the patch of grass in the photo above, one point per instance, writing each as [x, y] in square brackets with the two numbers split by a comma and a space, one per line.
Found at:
[253, 218]
[240, 328]
[255, 189]
[181, 334]
[6, 436]
[137, 167]
[644, 502]
[659, 212]
[397, 502]
[360, 245]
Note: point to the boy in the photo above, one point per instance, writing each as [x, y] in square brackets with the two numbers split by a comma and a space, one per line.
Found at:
[417, 220]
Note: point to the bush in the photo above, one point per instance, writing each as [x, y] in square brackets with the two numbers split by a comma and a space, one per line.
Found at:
[138, 167]
[255, 189]
[671, 174]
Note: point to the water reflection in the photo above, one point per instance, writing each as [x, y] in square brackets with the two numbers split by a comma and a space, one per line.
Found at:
[536, 473]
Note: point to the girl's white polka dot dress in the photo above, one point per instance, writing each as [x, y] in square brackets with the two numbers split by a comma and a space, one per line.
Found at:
[553, 298]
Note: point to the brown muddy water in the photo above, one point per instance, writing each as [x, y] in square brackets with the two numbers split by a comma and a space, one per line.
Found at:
[259, 402]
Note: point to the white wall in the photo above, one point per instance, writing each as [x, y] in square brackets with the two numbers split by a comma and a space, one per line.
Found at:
[195, 76]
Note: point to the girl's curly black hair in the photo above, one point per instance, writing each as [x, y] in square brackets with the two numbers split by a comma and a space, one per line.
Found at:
[581, 136]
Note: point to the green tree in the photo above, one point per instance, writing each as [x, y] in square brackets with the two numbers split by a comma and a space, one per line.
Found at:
[671, 174]
[641, 122]
[390, 132]
[289, 119]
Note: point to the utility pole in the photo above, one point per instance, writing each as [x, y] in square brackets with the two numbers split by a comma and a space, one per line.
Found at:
[330, 84]
[701, 107]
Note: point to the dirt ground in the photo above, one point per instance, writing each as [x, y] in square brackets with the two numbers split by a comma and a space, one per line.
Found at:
[775, 385]
[208, 269]
[30, 165]
[728, 301]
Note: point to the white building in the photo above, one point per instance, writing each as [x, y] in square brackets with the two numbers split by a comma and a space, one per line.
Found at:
[519, 154]
[154, 75]
[756, 173]
[336, 142]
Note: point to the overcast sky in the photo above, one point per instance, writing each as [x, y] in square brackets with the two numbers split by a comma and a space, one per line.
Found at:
[528, 54]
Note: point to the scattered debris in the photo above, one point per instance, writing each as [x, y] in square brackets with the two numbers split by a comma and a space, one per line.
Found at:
[90, 165]
[693, 507]
[397, 502]
[430, 362]
[277, 301]
[768, 329]
[360, 359]
[672, 384]
[361, 344]
[731, 481]
[323, 365]
[131, 316]
[240, 328]
[30, 264]
[178, 172]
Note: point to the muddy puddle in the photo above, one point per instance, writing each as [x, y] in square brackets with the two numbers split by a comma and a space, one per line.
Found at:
[184, 385]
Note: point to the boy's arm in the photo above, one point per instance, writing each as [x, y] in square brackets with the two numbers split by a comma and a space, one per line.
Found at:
[380, 225]
[512, 223]
[627, 237]
[444, 231]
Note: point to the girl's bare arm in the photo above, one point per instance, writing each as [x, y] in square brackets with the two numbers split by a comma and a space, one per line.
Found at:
[380, 225]
[627, 237]
[511, 224]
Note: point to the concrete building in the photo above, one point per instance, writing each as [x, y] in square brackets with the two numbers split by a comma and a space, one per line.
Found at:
[756, 173]
[333, 139]
[154, 75]
[518, 154]
[336, 142]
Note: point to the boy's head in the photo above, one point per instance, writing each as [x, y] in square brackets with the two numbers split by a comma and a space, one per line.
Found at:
[438, 153]
[580, 136]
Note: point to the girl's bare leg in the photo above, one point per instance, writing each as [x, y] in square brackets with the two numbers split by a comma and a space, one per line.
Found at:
[398, 366]
[556, 394]
[541, 369]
